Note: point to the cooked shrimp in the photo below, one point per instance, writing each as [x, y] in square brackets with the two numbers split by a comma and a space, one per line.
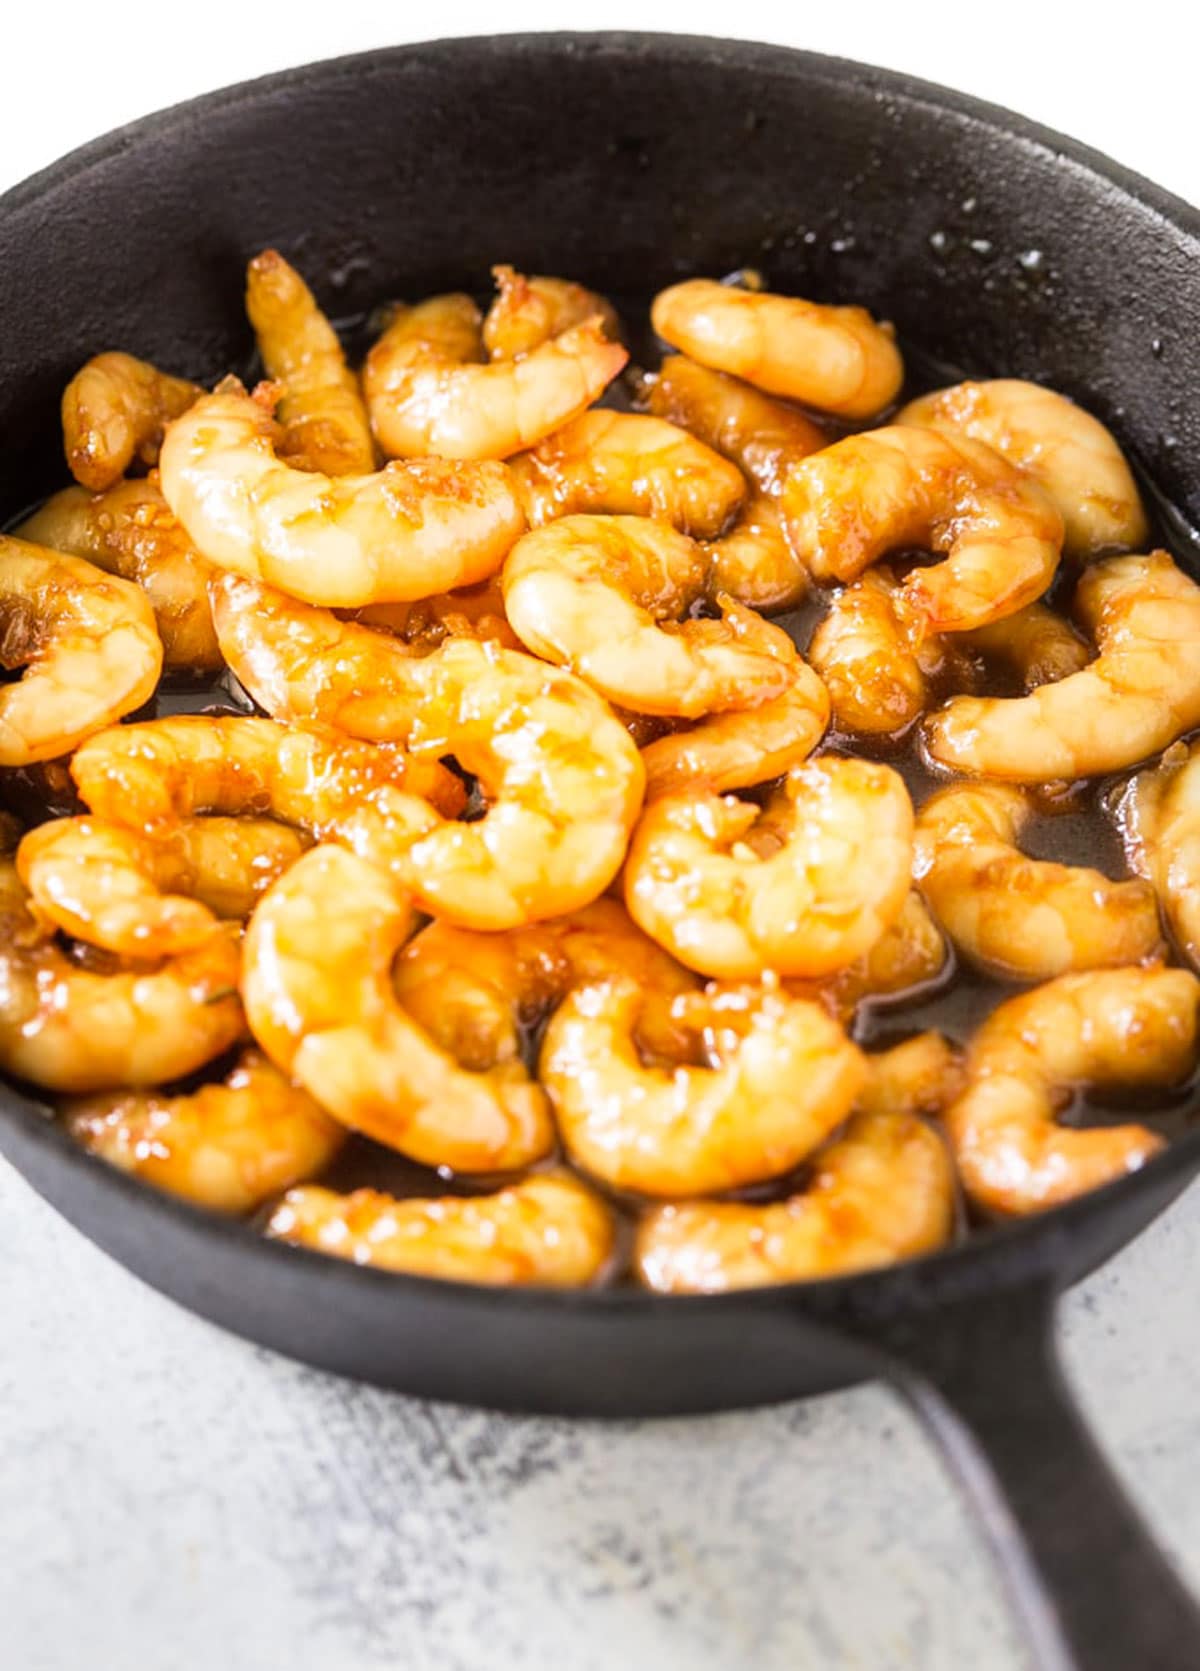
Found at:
[754, 563]
[802, 887]
[1036, 643]
[606, 596]
[402, 533]
[133, 895]
[921, 1076]
[837, 359]
[114, 412]
[881, 1193]
[549, 1229]
[147, 777]
[429, 396]
[1141, 692]
[1114, 1027]
[88, 645]
[625, 464]
[904, 962]
[1021, 918]
[473, 992]
[228, 1147]
[871, 494]
[324, 421]
[471, 612]
[72, 1029]
[1064, 449]
[763, 437]
[319, 1000]
[876, 677]
[737, 750]
[1160, 822]
[561, 779]
[529, 311]
[783, 1075]
[130, 531]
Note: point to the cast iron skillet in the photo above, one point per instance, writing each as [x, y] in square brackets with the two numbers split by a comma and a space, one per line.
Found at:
[629, 161]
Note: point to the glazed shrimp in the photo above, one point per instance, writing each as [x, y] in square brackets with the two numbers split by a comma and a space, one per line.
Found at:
[754, 563]
[606, 596]
[319, 1000]
[763, 437]
[837, 359]
[882, 1192]
[549, 1229]
[802, 887]
[229, 1147]
[130, 531]
[1021, 918]
[782, 1076]
[86, 641]
[1116, 1027]
[1140, 693]
[72, 1029]
[1037, 644]
[429, 396]
[1000, 533]
[905, 962]
[402, 533]
[736, 750]
[114, 412]
[133, 895]
[529, 311]
[471, 612]
[1159, 815]
[1064, 449]
[473, 992]
[325, 426]
[626, 464]
[923, 1075]
[877, 679]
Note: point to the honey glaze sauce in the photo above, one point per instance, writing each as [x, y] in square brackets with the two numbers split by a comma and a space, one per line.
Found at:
[1073, 827]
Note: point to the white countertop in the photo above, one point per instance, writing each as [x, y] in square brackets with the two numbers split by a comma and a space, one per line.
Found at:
[172, 1499]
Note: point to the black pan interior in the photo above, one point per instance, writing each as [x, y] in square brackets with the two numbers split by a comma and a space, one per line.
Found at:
[626, 161]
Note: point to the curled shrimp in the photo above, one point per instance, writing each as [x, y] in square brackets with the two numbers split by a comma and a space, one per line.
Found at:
[471, 612]
[906, 960]
[401, 533]
[1023, 918]
[133, 895]
[473, 992]
[605, 595]
[324, 421]
[1111, 1028]
[319, 1000]
[429, 395]
[763, 437]
[549, 1229]
[1159, 815]
[1064, 449]
[877, 678]
[530, 310]
[882, 1192]
[229, 1147]
[837, 359]
[1140, 693]
[72, 1029]
[754, 563]
[1036, 643]
[781, 1076]
[736, 750]
[626, 464]
[114, 412]
[130, 531]
[802, 887]
[86, 641]
[870, 494]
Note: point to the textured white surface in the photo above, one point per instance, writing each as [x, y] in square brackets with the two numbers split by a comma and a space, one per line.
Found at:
[172, 1499]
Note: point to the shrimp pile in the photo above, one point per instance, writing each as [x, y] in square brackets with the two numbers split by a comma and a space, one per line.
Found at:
[404, 778]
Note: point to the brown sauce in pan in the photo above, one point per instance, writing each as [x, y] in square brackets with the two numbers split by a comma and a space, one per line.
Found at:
[1076, 831]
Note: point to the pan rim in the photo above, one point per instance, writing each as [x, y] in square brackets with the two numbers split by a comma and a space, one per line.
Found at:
[982, 1261]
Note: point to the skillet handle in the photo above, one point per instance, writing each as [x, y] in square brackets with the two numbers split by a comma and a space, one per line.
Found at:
[1088, 1582]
